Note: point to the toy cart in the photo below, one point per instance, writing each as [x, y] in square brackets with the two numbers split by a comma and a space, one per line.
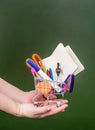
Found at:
[48, 87]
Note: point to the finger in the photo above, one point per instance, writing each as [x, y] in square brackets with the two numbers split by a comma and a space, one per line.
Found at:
[54, 110]
[57, 102]
[62, 101]
[48, 105]
[42, 110]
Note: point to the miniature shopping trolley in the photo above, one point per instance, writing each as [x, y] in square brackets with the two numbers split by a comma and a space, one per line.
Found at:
[56, 73]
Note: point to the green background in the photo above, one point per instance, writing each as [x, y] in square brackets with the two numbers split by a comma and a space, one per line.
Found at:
[28, 26]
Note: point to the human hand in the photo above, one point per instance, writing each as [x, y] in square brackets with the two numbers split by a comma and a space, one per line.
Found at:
[30, 111]
[20, 103]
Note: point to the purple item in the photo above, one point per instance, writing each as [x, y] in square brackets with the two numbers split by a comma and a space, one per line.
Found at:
[70, 82]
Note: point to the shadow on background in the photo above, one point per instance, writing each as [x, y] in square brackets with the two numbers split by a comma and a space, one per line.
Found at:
[38, 26]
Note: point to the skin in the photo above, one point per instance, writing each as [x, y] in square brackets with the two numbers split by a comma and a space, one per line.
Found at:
[21, 104]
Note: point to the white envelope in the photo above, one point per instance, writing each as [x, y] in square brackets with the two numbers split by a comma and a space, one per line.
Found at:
[69, 62]
[80, 67]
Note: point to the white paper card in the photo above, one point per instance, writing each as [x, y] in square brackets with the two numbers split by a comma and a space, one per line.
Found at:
[80, 67]
[63, 56]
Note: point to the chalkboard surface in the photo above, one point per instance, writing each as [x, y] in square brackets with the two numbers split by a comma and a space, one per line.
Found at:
[38, 26]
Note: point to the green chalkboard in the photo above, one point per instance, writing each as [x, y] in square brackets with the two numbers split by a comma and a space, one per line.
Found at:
[28, 26]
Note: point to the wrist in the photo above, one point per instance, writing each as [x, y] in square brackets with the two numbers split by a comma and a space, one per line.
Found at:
[17, 111]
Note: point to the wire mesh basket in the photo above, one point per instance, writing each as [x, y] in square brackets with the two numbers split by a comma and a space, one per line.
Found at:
[53, 87]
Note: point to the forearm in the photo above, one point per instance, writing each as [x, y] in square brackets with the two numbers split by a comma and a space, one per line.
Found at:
[9, 106]
[11, 91]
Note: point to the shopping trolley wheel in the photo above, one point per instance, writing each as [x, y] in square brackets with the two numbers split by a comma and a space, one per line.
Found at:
[58, 104]
[36, 104]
